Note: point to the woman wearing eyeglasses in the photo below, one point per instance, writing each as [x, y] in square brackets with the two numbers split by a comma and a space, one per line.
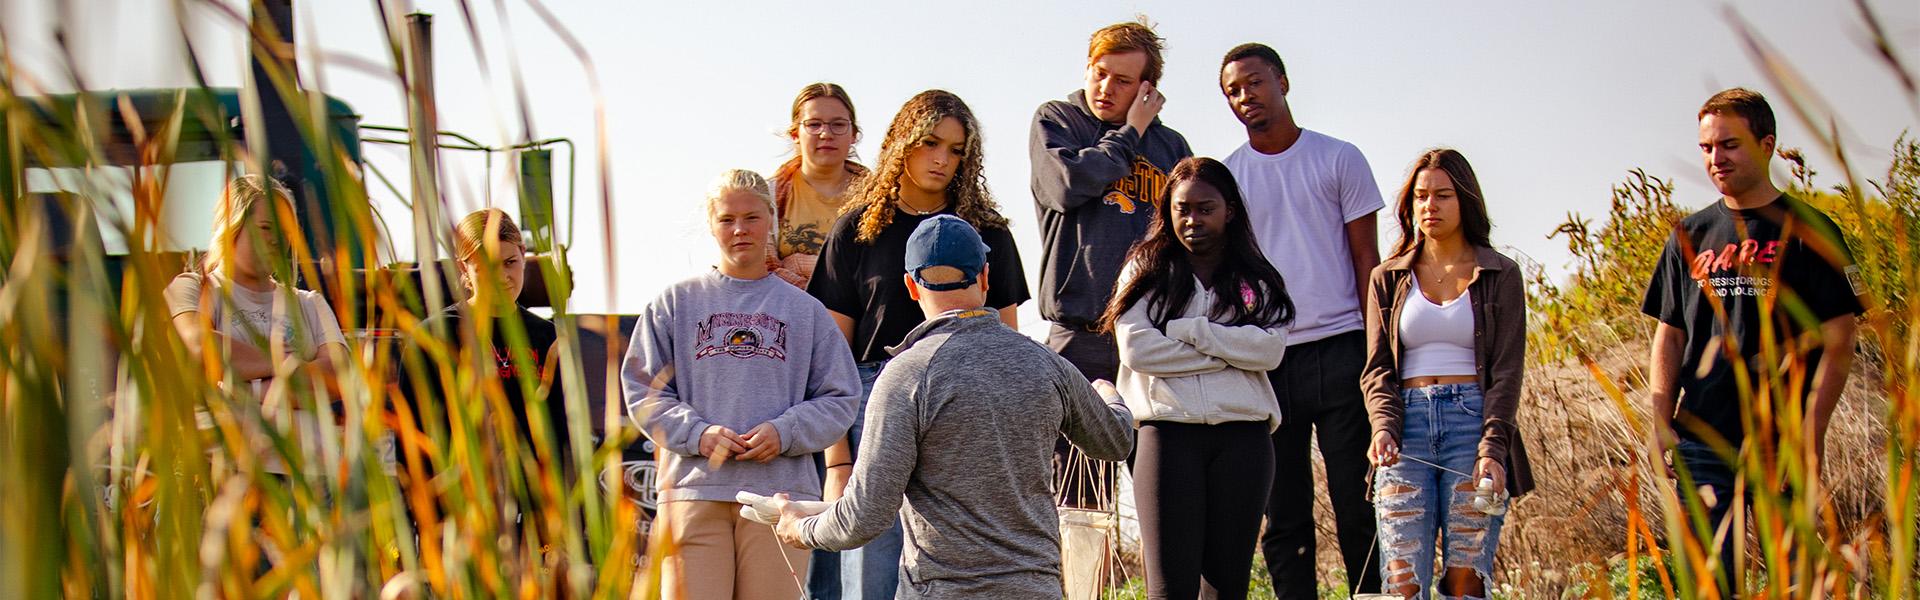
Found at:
[810, 187]
[807, 192]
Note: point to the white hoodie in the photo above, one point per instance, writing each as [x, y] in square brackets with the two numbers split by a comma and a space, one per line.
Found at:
[1197, 371]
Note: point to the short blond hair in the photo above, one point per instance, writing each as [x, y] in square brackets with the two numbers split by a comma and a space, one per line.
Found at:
[471, 234]
[237, 200]
[742, 180]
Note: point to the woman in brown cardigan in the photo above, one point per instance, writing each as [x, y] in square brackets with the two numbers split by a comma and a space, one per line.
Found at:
[1446, 333]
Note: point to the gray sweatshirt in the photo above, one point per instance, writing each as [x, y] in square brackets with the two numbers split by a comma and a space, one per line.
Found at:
[714, 350]
[962, 423]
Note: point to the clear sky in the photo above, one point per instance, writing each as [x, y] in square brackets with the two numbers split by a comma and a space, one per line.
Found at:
[1553, 102]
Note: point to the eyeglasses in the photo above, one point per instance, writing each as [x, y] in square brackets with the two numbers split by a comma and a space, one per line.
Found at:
[836, 126]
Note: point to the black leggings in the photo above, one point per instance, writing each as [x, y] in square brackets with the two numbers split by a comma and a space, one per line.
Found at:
[1201, 491]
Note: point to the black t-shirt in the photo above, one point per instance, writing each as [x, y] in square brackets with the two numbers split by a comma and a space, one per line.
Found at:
[540, 338]
[863, 281]
[1766, 262]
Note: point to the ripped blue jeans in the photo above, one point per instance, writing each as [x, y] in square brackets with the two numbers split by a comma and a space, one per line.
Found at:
[1417, 504]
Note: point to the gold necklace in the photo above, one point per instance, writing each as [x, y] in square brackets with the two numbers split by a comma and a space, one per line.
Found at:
[1440, 272]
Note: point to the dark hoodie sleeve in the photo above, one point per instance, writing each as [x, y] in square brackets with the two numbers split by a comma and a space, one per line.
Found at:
[1070, 170]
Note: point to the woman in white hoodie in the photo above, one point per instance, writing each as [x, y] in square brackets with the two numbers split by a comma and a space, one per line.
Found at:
[1200, 318]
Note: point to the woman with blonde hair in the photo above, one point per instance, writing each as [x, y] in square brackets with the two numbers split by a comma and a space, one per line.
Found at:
[238, 301]
[739, 378]
[238, 311]
[931, 163]
[809, 189]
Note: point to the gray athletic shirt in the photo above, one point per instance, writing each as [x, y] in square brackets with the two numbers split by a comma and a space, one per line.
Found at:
[962, 424]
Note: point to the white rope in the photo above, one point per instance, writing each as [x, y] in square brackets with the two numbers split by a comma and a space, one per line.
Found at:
[791, 571]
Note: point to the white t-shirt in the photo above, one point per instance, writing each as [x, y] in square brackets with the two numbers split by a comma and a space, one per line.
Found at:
[250, 316]
[263, 319]
[1299, 202]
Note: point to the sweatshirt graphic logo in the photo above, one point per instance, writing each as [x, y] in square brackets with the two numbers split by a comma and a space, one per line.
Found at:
[1144, 185]
[741, 335]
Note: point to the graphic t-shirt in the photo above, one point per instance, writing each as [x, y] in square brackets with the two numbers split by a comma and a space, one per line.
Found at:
[502, 356]
[1761, 263]
[257, 318]
[269, 321]
[863, 281]
[1299, 203]
[809, 214]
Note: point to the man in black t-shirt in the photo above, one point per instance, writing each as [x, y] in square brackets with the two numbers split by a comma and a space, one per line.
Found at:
[1758, 257]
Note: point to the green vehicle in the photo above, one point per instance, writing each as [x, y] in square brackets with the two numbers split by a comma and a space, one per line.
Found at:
[206, 128]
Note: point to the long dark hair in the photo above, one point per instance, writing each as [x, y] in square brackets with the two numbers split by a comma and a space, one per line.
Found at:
[1473, 205]
[1163, 271]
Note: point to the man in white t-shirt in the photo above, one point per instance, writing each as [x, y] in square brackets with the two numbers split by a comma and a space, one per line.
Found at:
[1311, 200]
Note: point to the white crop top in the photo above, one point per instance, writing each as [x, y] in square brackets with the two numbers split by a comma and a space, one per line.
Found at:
[1438, 339]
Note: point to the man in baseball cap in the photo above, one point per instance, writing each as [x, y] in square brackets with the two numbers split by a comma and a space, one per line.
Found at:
[945, 254]
[979, 519]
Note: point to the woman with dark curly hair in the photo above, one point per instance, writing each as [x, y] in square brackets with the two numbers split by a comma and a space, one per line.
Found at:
[930, 163]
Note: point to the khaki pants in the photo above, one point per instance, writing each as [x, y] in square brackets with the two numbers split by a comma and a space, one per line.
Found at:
[716, 554]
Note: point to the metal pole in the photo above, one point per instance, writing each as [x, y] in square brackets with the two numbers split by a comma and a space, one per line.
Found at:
[423, 123]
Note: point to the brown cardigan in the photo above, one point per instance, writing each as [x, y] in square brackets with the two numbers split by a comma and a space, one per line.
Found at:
[1500, 349]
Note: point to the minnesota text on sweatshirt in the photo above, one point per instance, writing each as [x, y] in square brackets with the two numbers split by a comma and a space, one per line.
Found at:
[715, 350]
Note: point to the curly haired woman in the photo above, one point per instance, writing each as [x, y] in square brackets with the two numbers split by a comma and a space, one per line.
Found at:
[930, 163]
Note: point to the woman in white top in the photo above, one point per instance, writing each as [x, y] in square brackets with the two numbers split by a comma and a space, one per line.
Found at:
[236, 309]
[1446, 326]
[1200, 317]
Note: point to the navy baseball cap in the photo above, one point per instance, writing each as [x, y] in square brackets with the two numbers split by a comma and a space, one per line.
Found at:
[945, 241]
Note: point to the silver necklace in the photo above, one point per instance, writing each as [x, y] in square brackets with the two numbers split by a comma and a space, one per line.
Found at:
[909, 209]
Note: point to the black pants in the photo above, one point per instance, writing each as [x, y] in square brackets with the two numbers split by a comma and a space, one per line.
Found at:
[1097, 357]
[1318, 385]
[1199, 489]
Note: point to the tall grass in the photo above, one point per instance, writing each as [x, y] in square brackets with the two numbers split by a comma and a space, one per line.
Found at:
[1846, 530]
[129, 468]
[132, 469]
